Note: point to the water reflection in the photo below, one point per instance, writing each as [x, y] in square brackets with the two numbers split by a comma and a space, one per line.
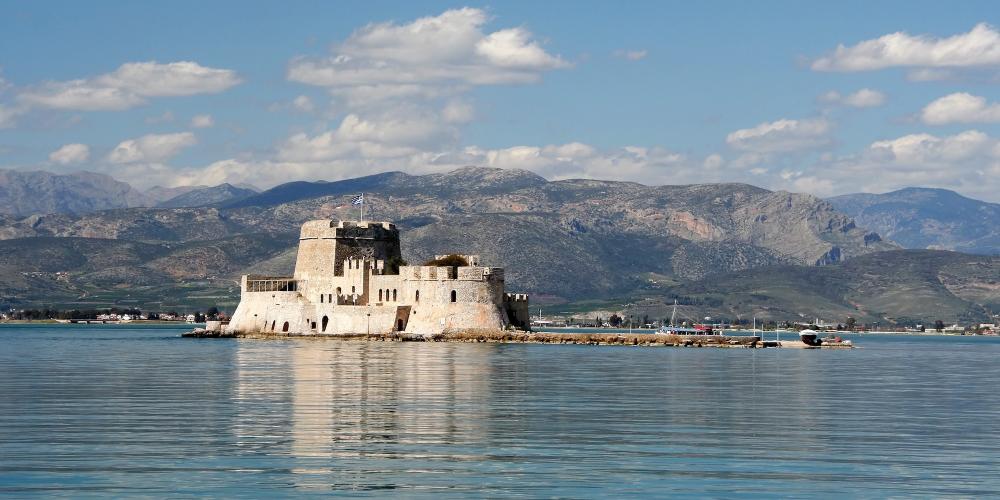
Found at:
[114, 413]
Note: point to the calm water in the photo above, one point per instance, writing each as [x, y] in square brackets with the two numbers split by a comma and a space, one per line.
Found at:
[112, 410]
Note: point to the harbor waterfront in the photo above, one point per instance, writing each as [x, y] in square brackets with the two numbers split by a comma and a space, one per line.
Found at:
[99, 410]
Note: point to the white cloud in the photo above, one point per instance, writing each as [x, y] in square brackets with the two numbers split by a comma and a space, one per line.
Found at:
[960, 107]
[967, 162]
[129, 86]
[631, 55]
[426, 58]
[70, 153]
[166, 117]
[151, 148]
[202, 121]
[979, 47]
[304, 104]
[8, 115]
[782, 136]
[458, 111]
[864, 98]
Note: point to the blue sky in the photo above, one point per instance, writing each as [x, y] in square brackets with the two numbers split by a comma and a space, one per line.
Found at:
[660, 93]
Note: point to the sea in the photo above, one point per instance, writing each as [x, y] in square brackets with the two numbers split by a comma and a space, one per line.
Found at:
[123, 411]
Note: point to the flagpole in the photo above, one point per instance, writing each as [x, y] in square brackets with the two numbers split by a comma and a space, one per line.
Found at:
[362, 207]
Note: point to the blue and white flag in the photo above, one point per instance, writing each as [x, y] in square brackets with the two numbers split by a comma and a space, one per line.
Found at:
[358, 199]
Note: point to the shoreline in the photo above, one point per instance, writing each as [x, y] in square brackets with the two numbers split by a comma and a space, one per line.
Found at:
[521, 337]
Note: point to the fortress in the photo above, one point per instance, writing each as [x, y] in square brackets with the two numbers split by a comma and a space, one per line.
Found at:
[350, 279]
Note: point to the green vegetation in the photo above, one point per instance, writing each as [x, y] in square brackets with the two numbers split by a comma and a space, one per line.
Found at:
[451, 260]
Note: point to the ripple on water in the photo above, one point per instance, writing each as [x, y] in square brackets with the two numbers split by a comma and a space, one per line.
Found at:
[112, 410]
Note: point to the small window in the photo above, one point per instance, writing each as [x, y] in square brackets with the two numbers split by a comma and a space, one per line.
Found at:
[313, 325]
[321, 297]
[284, 327]
[393, 294]
[272, 326]
[352, 290]
[454, 296]
[338, 292]
[416, 297]
[380, 295]
[325, 322]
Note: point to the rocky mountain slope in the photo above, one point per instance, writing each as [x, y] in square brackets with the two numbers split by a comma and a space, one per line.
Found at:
[25, 193]
[560, 241]
[548, 234]
[897, 287]
[204, 196]
[927, 218]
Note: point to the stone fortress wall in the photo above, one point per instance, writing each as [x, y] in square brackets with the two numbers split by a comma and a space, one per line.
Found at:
[348, 280]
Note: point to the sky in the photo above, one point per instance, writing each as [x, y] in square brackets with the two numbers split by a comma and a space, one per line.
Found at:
[824, 98]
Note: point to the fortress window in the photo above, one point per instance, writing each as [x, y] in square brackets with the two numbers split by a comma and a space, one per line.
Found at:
[352, 290]
[417, 296]
[454, 296]
[325, 322]
[313, 325]
[284, 327]
[380, 295]
[338, 292]
[393, 294]
[272, 326]
[329, 298]
[321, 298]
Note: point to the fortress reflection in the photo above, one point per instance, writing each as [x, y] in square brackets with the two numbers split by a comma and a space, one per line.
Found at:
[332, 405]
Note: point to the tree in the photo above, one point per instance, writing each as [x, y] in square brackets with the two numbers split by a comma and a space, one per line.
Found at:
[453, 260]
[213, 312]
[851, 323]
[939, 325]
[615, 321]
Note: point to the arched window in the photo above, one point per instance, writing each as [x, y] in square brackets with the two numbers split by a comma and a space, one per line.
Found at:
[380, 295]
[454, 296]
[325, 322]
[393, 294]
[284, 327]
[338, 292]
[416, 297]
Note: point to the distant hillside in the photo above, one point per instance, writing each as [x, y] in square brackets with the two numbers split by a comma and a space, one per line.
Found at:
[205, 196]
[92, 272]
[927, 218]
[903, 286]
[25, 193]
[561, 241]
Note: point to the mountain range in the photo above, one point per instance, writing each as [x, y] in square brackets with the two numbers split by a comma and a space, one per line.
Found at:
[24, 193]
[565, 242]
[927, 218]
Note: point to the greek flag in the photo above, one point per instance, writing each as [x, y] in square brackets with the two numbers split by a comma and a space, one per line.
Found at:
[358, 199]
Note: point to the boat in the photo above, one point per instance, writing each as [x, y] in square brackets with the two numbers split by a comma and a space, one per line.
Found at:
[809, 337]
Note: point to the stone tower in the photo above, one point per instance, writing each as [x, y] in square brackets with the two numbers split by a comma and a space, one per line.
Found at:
[324, 245]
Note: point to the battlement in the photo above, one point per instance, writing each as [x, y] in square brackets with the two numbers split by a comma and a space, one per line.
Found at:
[515, 297]
[444, 273]
[330, 229]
